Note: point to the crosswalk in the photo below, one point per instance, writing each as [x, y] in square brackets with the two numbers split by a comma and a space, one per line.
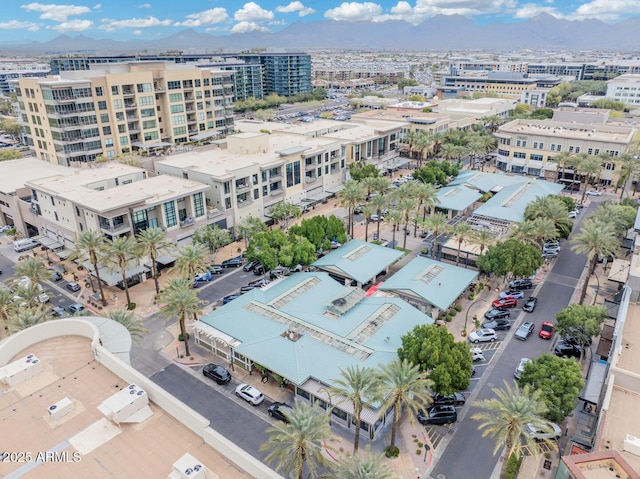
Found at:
[436, 434]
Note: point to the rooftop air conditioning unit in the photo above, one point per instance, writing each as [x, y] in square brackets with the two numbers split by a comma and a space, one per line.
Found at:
[188, 467]
[123, 405]
[21, 370]
[631, 444]
[60, 409]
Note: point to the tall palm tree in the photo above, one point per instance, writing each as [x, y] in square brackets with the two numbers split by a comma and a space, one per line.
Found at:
[563, 160]
[120, 252]
[394, 217]
[153, 242]
[360, 386]
[32, 268]
[24, 318]
[427, 196]
[595, 239]
[544, 229]
[505, 417]
[129, 320]
[460, 233]
[367, 466]
[437, 224]
[298, 444]
[191, 260]
[92, 245]
[7, 306]
[181, 301]
[484, 238]
[588, 166]
[379, 203]
[551, 208]
[369, 183]
[403, 385]
[351, 196]
[524, 231]
[367, 211]
[629, 168]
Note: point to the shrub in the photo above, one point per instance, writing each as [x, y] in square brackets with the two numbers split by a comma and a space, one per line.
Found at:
[418, 452]
[389, 452]
[472, 296]
[181, 337]
[513, 465]
[458, 308]
[131, 306]
[453, 312]
[420, 445]
[448, 318]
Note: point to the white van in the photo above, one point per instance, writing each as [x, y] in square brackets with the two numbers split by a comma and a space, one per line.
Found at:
[24, 245]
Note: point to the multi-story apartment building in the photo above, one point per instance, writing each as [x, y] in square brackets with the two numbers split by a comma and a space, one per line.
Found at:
[285, 74]
[625, 88]
[529, 146]
[338, 75]
[500, 83]
[116, 108]
[11, 71]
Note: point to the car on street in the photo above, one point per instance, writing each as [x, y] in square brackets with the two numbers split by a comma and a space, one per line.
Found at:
[247, 288]
[550, 250]
[497, 324]
[524, 331]
[203, 277]
[279, 410]
[229, 298]
[594, 193]
[75, 308]
[250, 265]
[483, 335]
[55, 275]
[477, 354]
[521, 283]
[232, 263]
[546, 330]
[438, 415]
[512, 293]
[249, 394]
[216, 269]
[259, 269]
[455, 399]
[573, 214]
[58, 312]
[530, 304]
[507, 302]
[541, 433]
[520, 367]
[73, 286]
[566, 350]
[217, 373]
[495, 313]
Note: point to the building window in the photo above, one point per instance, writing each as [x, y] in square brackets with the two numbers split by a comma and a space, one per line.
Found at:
[227, 187]
[170, 214]
[519, 154]
[179, 131]
[177, 108]
[146, 100]
[173, 85]
[117, 104]
[256, 194]
[198, 205]
[175, 97]
[102, 105]
[99, 91]
[115, 90]
[106, 130]
[143, 87]
[227, 203]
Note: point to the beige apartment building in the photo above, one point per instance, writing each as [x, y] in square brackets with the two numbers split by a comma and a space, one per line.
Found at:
[117, 108]
[529, 146]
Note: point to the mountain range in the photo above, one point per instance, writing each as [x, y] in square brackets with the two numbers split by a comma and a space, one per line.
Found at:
[452, 32]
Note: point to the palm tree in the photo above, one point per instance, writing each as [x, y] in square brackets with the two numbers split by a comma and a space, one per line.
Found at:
[563, 160]
[24, 318]
[484, 238]
[461, 233]
[32, 268]
[351, 196]
[181, 301]
[437, 224]
[369, 466]
[587, 166]
[379, 203]
[367, 211]
[544, 229]
[191, 260]
[128, 319]
[369, 183]
[505, 418]
[551, 208]
[298, 443]
[394, 217]
[427, 196]
[7, 305]
[629, 168]
[361, 386]
[403, 385]
[120, 252]
[92, 245]
[524, 231]
[595, 239]
[153, 243]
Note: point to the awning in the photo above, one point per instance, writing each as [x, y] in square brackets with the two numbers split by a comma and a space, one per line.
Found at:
[165, 259]
[335, 189]
[619, 271]
[595, 381]
[323, 195]
[48, 242]
[65, 253]
[205, 135]
[112, 278]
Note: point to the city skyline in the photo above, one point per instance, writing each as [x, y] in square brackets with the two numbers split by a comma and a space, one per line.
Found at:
[116, 19]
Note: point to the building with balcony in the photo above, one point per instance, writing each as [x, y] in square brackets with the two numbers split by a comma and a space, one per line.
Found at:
[116, 108]
[285, 74]
[625, 89]
[12, 71]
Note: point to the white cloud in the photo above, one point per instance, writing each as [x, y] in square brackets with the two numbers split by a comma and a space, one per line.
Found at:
[16, 25]
[246, 27]
[73, 26]
[252, 12]
[144, 5]
[607, 10]
[137, 32]
[207, 17]
[110, 25]
[97, 6]
[428, 8]
[354, 12]
[295, 7]
[57, 13]
[530, 10]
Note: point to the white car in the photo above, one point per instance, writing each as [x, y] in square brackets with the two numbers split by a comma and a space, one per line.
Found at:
[483, 335]
[573, 214]
[477, 354]
[520, 367]
[594, 193]
[540, 434]
[249, 394]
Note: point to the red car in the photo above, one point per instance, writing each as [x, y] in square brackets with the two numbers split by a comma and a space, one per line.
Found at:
[507, 302]
[546, 330]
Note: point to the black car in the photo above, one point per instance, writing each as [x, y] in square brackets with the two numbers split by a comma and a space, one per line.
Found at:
[259, 269]
[232, 263]
[497, 324]
[217, 373]
[279, 410]
[228, 299]
[247, 288]
[576, 336]
[455, 399]
[496, 313]
[564, 350]
[216, 269]
[530, 304]
[521, 283]
[438, 415]
[250, 265]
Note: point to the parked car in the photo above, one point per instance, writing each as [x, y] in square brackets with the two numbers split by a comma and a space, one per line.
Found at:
[522, 283]
[250, 265]
[55, 275]
[496, 313]
[279, 272]
[576, 336]
[520, 367]
[573, 214]
[477, 354]
[455, 399]
[279, 410]
[594, 193]
[497, 324]
[259, 269]
[512, 293]
[525, 330]
[73, 286]
[203, 277]
[483, 335]
[550, 250]
[530, 304]
[249, 394]
[75, 308]
[539, 433]
[58, 312]
[228, 299]
[336, 244]
[565, 350]
[216, 269]
[438, 415]
[247, 288]
[375, 217]
[259, 283]
[233, 262]
[507, 302]
[217, 373]
[546, 330]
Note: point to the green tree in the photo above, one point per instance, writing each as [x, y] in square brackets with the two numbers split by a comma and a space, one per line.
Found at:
[505, 418]
[525, 232]
[379, 204]
[589, 166]
[553, 209]
[284, 211]
[434, 350]
[360, 170]
[394, 216]
[403, 82]
[249, 226]
[581, 321]
[560, 381]
[119, 253]
[437, 224]
[128, 319]
[153, 242]
[629, 168]
[620, 217]
[483, 238]
[403, 385]
[24, 318]
[563, 160]
[9, 154]
[298, 444]
[358, 466]
[512, 256]
[180, 301]
[32, 268]
[191, 260]
[92, 245]
[213, 237]
[361, 387]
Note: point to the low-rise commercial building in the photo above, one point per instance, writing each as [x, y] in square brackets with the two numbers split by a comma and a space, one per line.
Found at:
[625, 89]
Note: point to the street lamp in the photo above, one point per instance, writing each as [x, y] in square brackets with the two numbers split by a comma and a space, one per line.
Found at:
[466, 316]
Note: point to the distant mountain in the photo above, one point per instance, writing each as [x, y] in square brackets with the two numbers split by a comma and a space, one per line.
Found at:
[438, 33]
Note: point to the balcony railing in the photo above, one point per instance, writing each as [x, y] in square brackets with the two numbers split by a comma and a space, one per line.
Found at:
[213, 212]
[187, 222]
[119, 228]
[277, 192]
[310, 179]
[242, 186]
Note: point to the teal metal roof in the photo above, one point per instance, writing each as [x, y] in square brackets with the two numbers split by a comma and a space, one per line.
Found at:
[436, 283]
[368, 332]
[486, 181]
[457, 198]
[510, 202]
[358, 260]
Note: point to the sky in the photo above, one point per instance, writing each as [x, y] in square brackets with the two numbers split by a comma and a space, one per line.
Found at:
[21, 22]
